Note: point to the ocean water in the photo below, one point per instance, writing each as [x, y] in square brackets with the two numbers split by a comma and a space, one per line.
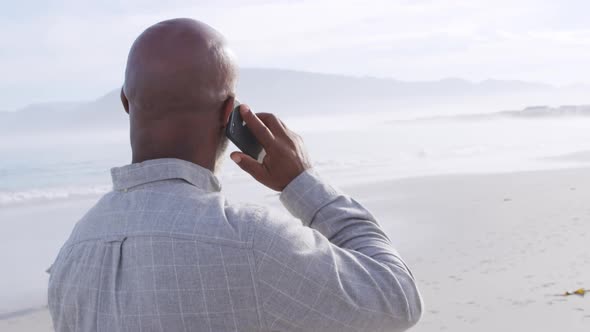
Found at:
[52, 166]
[48, 180]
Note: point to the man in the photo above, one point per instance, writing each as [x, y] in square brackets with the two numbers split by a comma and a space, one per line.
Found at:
[164, 251]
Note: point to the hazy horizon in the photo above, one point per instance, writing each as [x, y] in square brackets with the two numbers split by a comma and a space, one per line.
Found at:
[284, 87]
[101, 93]
[52, 49]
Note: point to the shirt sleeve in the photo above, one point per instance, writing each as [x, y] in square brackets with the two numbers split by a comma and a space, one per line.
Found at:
[336, 270]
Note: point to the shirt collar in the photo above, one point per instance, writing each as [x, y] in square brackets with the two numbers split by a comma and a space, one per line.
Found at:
[153, 170]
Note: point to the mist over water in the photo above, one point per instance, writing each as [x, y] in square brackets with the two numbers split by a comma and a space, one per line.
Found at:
[48, 166]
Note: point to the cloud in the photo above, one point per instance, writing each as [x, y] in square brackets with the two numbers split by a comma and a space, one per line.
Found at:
[76, 49]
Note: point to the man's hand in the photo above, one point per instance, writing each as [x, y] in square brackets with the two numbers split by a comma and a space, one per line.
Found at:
[285, 154]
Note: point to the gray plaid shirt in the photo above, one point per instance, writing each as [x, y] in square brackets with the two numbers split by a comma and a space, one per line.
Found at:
[164, 251]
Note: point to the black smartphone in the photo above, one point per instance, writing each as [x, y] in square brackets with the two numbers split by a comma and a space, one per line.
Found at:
[237, 132]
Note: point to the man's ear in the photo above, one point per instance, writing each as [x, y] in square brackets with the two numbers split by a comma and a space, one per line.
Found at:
[228, 106]
[124, 101]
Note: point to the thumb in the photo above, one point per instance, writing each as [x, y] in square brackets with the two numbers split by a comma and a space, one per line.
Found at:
[249, 164]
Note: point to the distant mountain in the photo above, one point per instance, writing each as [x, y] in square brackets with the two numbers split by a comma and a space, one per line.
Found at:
[267, 87]
[546, 111]
[291, 93]
[104, 112]
[51, 107]
[531, 112]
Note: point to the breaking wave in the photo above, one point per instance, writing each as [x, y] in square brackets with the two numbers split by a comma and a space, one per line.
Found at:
[50, 194]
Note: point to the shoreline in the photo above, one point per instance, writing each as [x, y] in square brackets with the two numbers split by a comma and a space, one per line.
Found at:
[21, 313]
[338, 180]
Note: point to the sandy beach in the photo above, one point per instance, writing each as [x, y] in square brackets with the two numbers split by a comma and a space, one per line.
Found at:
[493, 252]
[490, 252]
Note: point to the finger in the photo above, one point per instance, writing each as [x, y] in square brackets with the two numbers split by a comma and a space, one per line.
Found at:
[249, 165]
[272, 122]
[256, 126]
[284, 125]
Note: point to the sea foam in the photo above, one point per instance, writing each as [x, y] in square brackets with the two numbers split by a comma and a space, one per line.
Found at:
[49, 194]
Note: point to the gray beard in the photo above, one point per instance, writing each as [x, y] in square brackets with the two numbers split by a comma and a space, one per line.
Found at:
[220, 153]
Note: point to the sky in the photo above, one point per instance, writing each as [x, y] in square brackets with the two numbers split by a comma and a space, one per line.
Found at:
[69, 50]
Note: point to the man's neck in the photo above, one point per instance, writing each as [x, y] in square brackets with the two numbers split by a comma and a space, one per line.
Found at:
[140, 156]
[174, 140]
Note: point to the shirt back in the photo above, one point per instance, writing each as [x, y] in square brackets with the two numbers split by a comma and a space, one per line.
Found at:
[164, 251]
[161, 256]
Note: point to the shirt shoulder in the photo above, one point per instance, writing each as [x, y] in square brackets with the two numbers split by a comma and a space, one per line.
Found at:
[183, 213]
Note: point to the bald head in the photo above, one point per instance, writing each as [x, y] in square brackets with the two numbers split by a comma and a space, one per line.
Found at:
[179, 92]
[179, 65]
